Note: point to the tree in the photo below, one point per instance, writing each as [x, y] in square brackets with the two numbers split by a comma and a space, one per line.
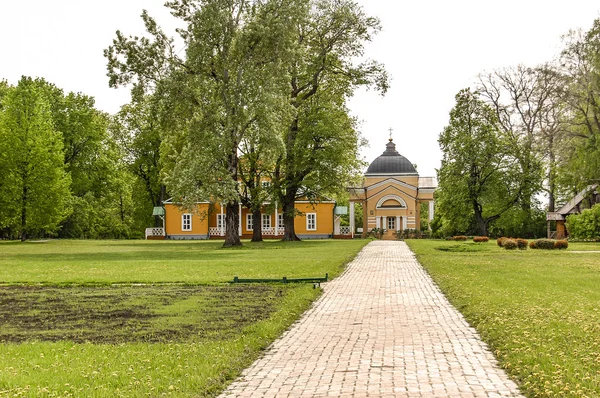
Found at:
[478, 177]
[136, 129]
[321, 140]
[35, 189]
[229, 79]
[580, 62]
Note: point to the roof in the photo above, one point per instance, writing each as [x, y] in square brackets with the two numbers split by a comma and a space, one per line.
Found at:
[570, 206]
[428, 182]
[391, 162]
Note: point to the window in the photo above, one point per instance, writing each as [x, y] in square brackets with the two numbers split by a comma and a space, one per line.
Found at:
[220, 221]
[266, 221]
[280, 220]
[391, 221]
[311, 221]
[266, 184]
[249, 222]
[186, 222]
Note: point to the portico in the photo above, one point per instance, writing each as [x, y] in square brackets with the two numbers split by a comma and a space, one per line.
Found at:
[391, 194]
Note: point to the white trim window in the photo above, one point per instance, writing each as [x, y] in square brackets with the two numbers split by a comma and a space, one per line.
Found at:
[311, 221]
[391, 223]
[220, 221]
[186, 222]
[249, 222]
[266, 221]
[280, 222]
[265, 184]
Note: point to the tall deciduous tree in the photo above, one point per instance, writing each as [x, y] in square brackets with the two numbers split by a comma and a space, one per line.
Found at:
[581, 63]
[35, 188]
[321, 141]
[229, 79]
[478, 178]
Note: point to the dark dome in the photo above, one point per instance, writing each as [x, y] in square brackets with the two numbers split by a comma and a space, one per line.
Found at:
[391, 162]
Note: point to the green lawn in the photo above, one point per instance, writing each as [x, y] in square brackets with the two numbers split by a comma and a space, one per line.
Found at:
[538, 310]
[194, 262]
[69, 330]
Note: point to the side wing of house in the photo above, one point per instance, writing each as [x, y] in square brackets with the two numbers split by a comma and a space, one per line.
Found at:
[184, 224]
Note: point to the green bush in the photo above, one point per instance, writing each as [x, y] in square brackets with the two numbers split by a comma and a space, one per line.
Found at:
[521, 244]
[548, 244]
[480, 239]
[585, 225]
[510, 244]
[561, 244]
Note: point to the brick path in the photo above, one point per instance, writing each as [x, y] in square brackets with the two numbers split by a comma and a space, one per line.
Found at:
[382, 329]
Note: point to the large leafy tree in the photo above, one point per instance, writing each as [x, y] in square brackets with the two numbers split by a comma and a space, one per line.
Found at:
[321, 140]
[229, 80]
[478, 177]
[580, 61]
[35, 185]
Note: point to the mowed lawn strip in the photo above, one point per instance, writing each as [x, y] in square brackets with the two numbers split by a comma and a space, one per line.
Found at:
[77, 334]
[71, 261]
[538, 310]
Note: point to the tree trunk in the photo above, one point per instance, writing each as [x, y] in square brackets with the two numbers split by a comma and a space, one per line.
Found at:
[257, 227]
[232, 235]
[482, 224]
[289, 212]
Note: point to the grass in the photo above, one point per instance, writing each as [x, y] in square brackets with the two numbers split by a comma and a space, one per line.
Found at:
[96, 318]
[538, 310]
[59, 262]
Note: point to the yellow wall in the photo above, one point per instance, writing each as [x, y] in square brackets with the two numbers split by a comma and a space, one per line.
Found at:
[324, 213]
[173, 220]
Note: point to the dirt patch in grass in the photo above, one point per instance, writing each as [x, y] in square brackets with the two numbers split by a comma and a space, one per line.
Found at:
[122, 314]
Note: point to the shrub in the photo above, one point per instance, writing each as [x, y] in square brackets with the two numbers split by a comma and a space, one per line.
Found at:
[561, 244]
[544, 244]
[500, 241]
[510, 244]
[521, 244]
[480, 239]
[460, 238]
[532, 245]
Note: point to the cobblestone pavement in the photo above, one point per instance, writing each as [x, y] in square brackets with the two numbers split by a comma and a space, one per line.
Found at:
[382, 329]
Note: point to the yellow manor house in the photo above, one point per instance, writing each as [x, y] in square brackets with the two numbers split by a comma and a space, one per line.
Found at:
[390, 197]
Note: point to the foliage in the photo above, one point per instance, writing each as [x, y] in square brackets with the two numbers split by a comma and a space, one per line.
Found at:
[561, 244]
[460, 238]
[34, 191]
[509, 244]
[377, 233]
[477, 179]
[480, 239]
[585, 225]
[321, 139]
[409, 233]
[538, 315]
[548, 244]
[521, 243]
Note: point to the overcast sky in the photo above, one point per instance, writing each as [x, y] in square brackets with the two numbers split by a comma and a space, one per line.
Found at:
[432, 49]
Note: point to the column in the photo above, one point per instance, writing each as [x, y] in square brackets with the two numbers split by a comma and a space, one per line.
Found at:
[431, 207]
[377, 222]
[384, 222]
[222, 231]
[276, 220]
[352, 219]
[404, 222]
[397, 223]
[240, 219]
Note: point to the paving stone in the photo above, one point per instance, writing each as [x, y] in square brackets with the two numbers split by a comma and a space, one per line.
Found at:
[383, 328]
